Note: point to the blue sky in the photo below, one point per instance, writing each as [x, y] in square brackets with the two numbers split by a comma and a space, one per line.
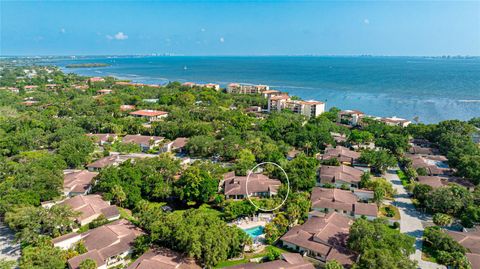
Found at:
[240, 27]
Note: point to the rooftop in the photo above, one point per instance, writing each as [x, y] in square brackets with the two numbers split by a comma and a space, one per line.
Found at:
[148, 113]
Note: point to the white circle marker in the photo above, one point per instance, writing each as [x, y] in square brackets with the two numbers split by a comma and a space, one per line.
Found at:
[248, 194]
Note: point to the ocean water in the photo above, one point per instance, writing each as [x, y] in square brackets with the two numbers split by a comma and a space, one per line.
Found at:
[432, 89]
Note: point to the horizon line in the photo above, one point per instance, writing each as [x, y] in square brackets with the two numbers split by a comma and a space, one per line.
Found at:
[230, 55]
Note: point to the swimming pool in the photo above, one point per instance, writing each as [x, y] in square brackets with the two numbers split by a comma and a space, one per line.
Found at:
[254, 232]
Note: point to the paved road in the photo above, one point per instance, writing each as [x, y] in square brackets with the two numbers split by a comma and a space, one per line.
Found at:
[411, 219]
[8, 249]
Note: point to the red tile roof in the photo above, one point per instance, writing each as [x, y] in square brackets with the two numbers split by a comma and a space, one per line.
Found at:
[148, 113]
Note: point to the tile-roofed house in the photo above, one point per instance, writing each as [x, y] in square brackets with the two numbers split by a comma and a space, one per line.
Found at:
[104, 91]
[292, 154]
[432, 181]
[342, 201]
[287, 261]
[102, 139]
[259, 185]
[434, 165]
[212, 86]
[91, 207]
[78, 182]
[342, 154]
[323, 238]
[116, 159]
[423, 150]
[350, 117]
[176, 145]
[471, 241]
[144, 141]
[394, 121]
[339, 138]
[127, 107]
[106, 161]
[108, 245]
[462, 182]
[474, 259]
[30, 87]
[96, 79]
[162, 258]
[340, 176]
[150, 114]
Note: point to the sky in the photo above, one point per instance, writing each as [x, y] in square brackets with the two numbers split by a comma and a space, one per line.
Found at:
[394, 28]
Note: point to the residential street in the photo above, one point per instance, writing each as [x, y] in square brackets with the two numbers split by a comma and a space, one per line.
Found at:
[8, 249]
[411, 219]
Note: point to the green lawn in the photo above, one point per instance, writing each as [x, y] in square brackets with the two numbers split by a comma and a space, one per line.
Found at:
[247, 257]
[405, 180]
[383, 212]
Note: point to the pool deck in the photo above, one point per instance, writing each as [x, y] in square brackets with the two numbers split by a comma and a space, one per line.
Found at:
[250, 224]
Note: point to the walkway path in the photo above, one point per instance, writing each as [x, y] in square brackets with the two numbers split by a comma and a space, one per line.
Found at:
[8, 249]
[411, 219]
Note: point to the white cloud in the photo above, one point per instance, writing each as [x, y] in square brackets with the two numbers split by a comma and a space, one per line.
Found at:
[117, 36]
[222, 39]
[366, 21]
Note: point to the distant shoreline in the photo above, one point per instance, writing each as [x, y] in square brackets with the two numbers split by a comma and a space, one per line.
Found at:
[87, 65]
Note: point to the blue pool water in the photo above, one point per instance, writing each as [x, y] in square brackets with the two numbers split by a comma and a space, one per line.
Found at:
[254, 232]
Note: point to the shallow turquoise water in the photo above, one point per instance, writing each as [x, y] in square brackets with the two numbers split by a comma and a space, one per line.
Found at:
[433, 89]
[255, 231]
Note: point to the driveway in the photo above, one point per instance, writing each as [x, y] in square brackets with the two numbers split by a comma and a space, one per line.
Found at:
[8, 248]
[411, 219]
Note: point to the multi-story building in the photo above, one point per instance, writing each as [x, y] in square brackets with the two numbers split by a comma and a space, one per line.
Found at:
[310, 108]
[246, 88]
[278, 101]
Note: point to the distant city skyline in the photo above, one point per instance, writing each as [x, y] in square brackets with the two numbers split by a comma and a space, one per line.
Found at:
[240, 28]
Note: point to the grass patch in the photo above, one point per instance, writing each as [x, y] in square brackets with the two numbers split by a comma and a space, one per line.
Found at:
[248, 256]
[390, 212]
[405, 180]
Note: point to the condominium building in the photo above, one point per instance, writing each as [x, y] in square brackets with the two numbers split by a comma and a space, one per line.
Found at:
[246, 88]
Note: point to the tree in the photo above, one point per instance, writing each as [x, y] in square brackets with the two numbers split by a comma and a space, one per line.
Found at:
[196, 185]
[118, 194]
[380, 246]
[88, 264]
[245, 161]
[421, 192]
[199, 233]
[31, 223]
[360, 137]
[276, 228]
[378, 195]
[7, 264]
[447, 251]
[297, 207]
[333, 264]
[42, 256]
[273, 254]
[76, 151]
[380, 160]
[365, 180]
[384, 259]
[452, 199]
[301, 173]
[442, 219]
